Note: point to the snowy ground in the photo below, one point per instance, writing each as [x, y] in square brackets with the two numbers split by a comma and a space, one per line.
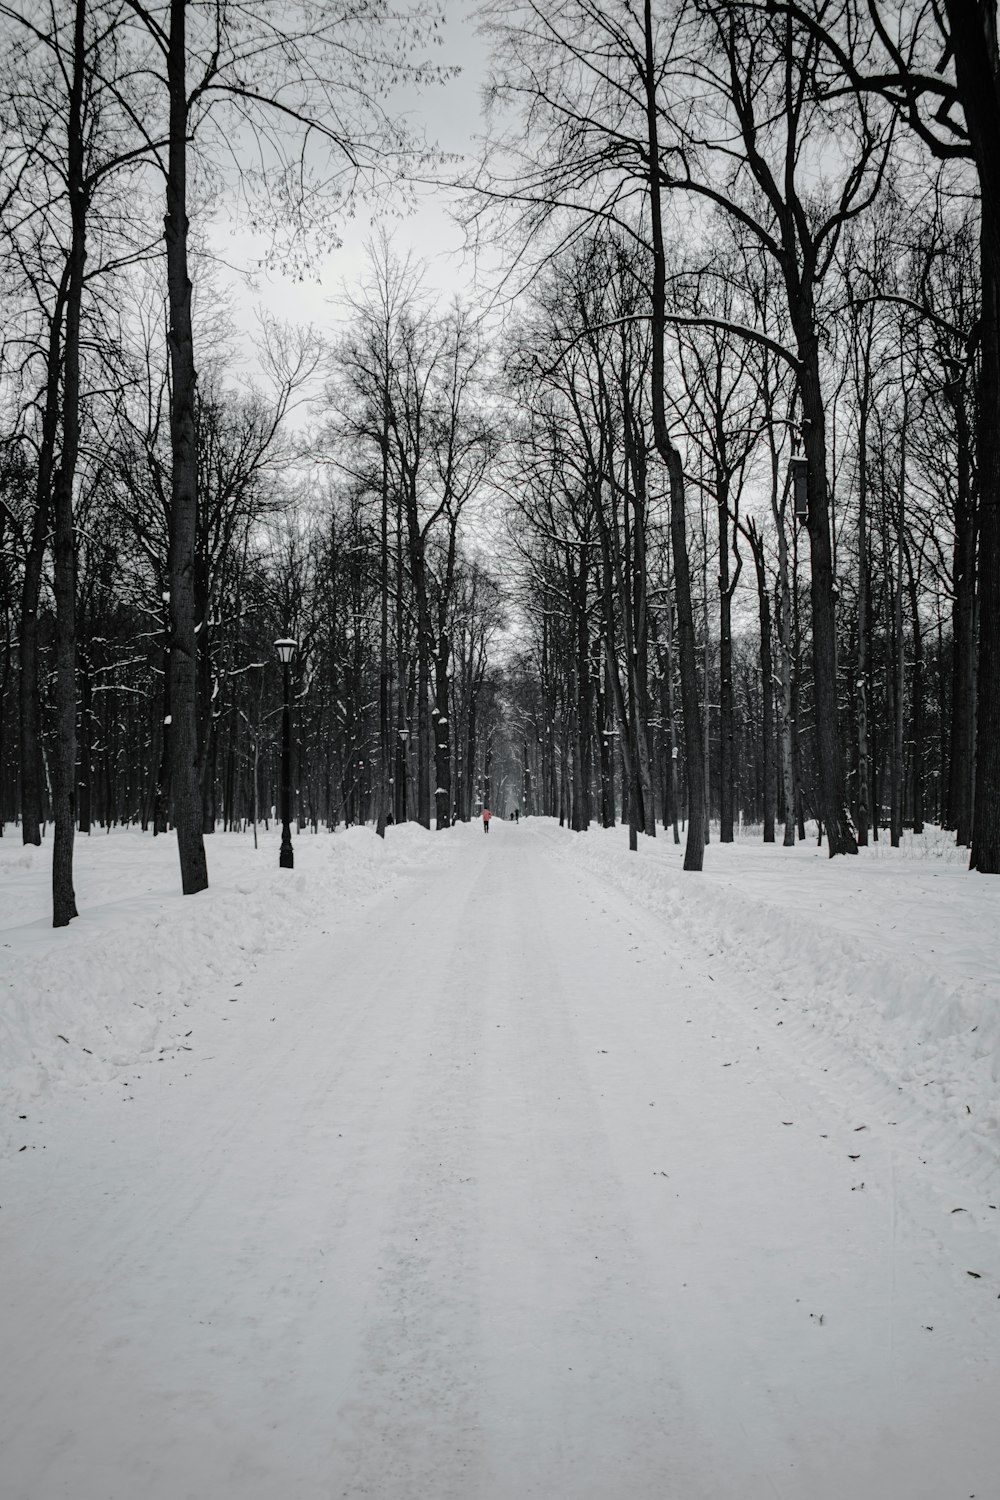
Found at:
[506, 1168]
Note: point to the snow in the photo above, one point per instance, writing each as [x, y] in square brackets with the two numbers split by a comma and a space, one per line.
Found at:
[500, 1169]
[120, 982]
[893, 956]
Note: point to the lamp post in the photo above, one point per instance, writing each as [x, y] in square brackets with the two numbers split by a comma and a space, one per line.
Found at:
[286, 859]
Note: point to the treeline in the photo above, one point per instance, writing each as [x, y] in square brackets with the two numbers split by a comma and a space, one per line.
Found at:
[744, 424]
[763, 348]
[349, 540]
[597, 710]
[157, 527]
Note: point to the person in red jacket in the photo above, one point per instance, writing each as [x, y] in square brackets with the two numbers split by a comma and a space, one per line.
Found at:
[486, 820]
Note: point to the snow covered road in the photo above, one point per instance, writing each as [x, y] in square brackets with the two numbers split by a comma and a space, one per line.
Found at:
[498, 1190]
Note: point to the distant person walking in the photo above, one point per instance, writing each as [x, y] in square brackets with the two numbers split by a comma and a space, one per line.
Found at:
[486, 820]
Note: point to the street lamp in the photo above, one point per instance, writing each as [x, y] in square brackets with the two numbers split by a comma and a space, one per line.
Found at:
[286, 859]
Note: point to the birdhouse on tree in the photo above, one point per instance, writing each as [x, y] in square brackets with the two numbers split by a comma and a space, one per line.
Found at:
[798, 470]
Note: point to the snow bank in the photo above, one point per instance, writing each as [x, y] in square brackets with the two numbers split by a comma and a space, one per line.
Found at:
[122, 983]
[892, 958]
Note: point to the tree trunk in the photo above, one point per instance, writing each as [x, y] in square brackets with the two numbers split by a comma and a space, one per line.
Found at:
[917, 697]
[860, 681]
[896, 665]
[488, 771]
[963, 626]
[671, 718]
[767, 679]
[706, 680]
[629, 775]
[832, 790]
[418, 576]
[796, 681]
[29, 704]
[64, 548]
[606, 747]
[941, 802]
[726, 711]
[399, 773]
[694, 854]
[185, 768]
[441, 730]
[29, 698]
[977, 68]
[640, 661]
[470, 756]
[584, 702]
[86, 789]
[697, 804]
[787, 712]
[384, 669]
[161, 790]
[574, 740]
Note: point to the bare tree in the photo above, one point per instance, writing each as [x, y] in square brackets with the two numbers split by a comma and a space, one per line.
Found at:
[279, 75]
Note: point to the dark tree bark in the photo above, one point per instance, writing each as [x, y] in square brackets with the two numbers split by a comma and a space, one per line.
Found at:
[29, 705]
[694, 853]
[185, 767]
[895, 666]
[488, 771]
[423, 766]
[918, 715]
[384, 667]
[726, 707]
[161, 787]
[441, 728]
[977, 68]
[29, 702]
[767, 677]
[86, 787]
[860, 681]
[783, 603]
[606, 719]
[410, 465]
[400, 767]
[796, 694]
[584, 701]
[959, 800]
[64, 548]
[833, 791]
[630, 774]
[667, 670]
[636, 455]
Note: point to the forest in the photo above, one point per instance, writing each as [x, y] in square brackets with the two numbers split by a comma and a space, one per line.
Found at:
[687, 522]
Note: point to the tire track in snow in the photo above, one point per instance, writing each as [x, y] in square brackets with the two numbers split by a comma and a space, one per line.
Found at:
[411, 1425]
[293, 1288]
[883, 1257]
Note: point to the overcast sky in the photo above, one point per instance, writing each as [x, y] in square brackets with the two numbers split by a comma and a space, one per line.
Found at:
[450, 115]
